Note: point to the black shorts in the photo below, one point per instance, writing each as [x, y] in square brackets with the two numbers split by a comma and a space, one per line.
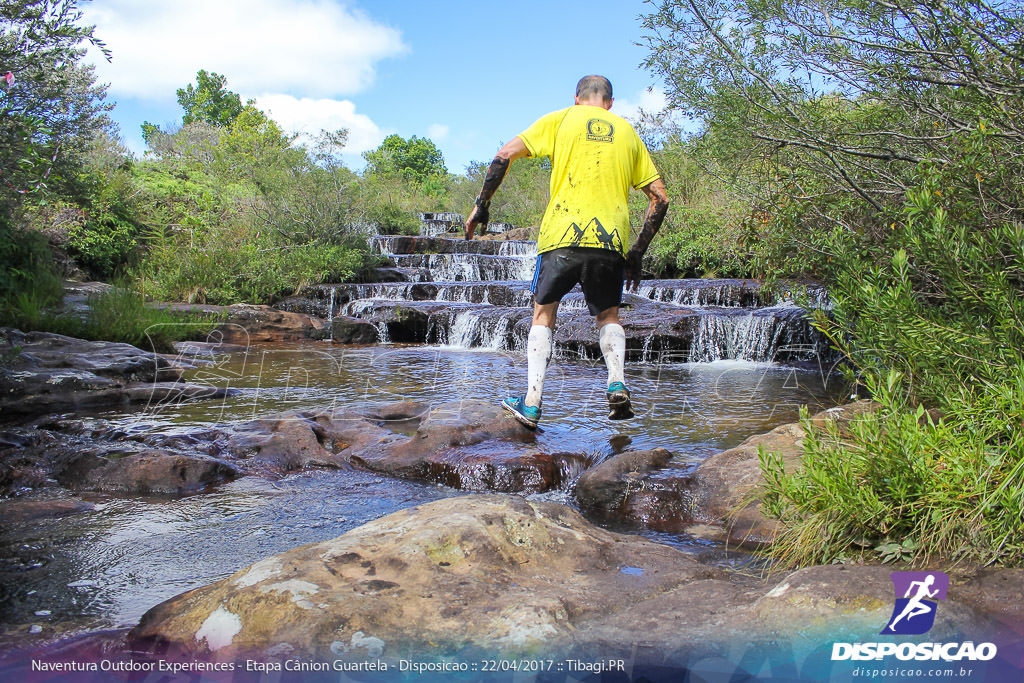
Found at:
[599, 272]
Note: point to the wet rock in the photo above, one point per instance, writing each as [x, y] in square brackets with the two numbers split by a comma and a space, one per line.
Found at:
[743, 618]
[724, 486]
[149, 471]
[403, 244]
[717, 500]
[27, 510]
[247, 324]
[45, 373]
[469, 445]
[93, 455]
[508, 576]
[287, 443]
[602, 490]
[502, 575]
[208, 349]
[344, 329]
[514, 234]
[390, 274]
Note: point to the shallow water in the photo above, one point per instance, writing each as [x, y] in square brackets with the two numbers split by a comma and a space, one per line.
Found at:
[103, 568]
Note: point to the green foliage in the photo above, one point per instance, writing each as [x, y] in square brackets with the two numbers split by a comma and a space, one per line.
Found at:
[229, 265]
[935, 318]
[26, 271]
[699, 242]
[53, 107]
[416, 160]
[943, 301]
[103, 246]
[209, 100]
[903, 486]
[391, 220]
[119, 315]
[703, 233]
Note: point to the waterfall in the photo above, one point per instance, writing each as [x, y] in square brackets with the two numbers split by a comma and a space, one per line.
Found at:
[475, 294]
[468, 267]
[330, 314]
[518, 248]
[758, 338]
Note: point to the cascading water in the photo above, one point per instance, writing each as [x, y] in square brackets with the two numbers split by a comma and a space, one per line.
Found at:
[330, 314]
[475, 294]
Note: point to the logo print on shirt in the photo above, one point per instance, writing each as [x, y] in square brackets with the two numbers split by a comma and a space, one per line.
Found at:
[599, 130]
[914, 613]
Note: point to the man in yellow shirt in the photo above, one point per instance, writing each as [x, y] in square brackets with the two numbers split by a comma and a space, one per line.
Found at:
[596, 157]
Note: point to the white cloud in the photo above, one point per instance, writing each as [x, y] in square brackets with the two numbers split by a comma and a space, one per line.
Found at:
[438, 131]
[649, 101]
[316, 48]
[310, 116]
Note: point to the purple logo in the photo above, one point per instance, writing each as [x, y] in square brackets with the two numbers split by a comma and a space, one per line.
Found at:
[917, 594]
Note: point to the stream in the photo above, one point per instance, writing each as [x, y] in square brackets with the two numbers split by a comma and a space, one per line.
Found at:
[101, 567]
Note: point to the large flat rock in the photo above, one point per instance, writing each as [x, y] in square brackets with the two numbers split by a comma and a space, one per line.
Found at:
[44, 373]
[499, 576]
[485, 572]
[717, 499]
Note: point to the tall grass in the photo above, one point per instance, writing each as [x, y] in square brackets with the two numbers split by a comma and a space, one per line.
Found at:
[933, 326]
[118, 315]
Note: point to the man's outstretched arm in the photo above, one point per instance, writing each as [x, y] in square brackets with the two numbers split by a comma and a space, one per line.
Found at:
[513, 149]
[657, 205]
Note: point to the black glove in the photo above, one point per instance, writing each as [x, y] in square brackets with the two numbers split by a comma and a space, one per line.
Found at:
[634, 267]
[482, 216]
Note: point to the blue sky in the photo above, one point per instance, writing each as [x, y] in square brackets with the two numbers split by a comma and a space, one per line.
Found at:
[468, 75]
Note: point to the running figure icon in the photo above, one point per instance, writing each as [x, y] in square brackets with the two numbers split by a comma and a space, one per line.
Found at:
[915, 605]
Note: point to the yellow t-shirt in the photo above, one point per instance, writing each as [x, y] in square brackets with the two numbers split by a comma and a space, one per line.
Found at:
[596, 157]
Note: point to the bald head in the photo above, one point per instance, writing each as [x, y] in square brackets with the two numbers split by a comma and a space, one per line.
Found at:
[592, 88]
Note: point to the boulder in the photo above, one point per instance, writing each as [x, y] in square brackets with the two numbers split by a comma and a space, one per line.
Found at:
[48, 373]
[246, 324]
[717, 500]
[149, 471]
[724, 487]
[496, 574]
[469, 445]
[501, 577]
[284, 443]
[602, 490]
[345, 329]
[783, 619]
[20, 510]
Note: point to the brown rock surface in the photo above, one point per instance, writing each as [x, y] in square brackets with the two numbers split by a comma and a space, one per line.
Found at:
[48, 373]
[497, 573]
[509, 577]
[150, 471]
[469, 445]
[717, 500]
[246, 324]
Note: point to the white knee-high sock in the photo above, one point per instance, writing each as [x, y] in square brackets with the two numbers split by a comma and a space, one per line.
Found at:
[538, 355]
[613, 345]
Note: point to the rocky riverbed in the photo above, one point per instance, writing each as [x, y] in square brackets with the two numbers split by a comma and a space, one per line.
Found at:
[501, 573]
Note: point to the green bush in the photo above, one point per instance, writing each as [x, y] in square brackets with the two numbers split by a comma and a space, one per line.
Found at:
[103, 247]
[28, 279]
[934, 318]
[122, 315]
[392, 220]
[903, 485]
[699, 242]
[234, 264]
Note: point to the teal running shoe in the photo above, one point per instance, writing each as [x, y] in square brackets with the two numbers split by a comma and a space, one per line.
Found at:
[619, 406]
[528, 415]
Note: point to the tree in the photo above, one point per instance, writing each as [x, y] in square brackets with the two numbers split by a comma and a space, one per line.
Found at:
[843, 95]
[209, 100]
[416, 159]
[50, 105]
